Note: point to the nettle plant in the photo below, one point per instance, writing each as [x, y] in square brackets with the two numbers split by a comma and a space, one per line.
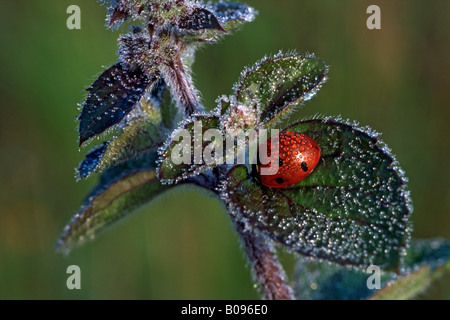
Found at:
[345, 213]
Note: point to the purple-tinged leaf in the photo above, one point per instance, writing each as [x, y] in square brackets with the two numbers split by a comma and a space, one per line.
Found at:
[91, 161]
[121, 10]
[118, 14]
[111, 97]
[200, 19]
[230, 17]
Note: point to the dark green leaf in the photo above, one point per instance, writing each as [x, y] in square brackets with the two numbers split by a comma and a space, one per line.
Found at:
[352, 209]
[117, 16]
[91, 161]
[223, 104]
[121, 10]
[195, 128]
[432, 252]
[411, 285]
[138, 138]
[142, 134]
[230, 16]
[423, 263]
[111, 201]
[111, 97]
[169, 111]
[279, 84]
[199, 19]
[316, 280]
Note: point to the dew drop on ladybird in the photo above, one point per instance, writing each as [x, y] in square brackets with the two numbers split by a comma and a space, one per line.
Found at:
[297, 158]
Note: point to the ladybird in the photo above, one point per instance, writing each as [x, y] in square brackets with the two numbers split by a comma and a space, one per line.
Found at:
[297, 156]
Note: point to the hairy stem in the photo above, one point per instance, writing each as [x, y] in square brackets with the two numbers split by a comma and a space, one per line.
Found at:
[265, 265]
[182, 87]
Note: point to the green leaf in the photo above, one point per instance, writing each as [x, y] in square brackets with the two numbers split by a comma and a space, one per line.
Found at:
[200, 19]
[111, 97]
[223, 104]
[191, 134]
[143, 133]
[170, 115]
[425, 262]
[111, 201]
[432, 252]
[91, 161]
[138, 138]
[281, 83]
[316, 280]
[411, 285]
[232, 15]
[229, 16]
[352, 209]
[121, 10]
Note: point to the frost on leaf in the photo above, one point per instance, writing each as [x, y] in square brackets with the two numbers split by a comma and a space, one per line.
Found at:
[200, 18]
[315, 280]
[143, 133]
[120, 10]
[432, 252]
[111, 97]
[279, 84]
[183, 154]
[91, 161]
[212, 18]
[411, 285]
[228, 17]
[231, 15]
[117, 16]
[425, 261]
[111, 201]
[352, 209]
[136, 140]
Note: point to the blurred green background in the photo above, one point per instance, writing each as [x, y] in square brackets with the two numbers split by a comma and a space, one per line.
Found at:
[182, 246]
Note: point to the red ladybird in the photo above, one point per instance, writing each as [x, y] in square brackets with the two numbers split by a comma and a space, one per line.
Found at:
[298, 155]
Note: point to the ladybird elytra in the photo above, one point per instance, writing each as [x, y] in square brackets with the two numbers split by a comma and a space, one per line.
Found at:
[297, 154]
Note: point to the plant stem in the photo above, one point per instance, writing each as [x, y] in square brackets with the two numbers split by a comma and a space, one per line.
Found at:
[265, 265]
[182, 87]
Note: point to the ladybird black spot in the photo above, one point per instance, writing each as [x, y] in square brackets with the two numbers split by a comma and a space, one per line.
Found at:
[304, 166]
[279, 180]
